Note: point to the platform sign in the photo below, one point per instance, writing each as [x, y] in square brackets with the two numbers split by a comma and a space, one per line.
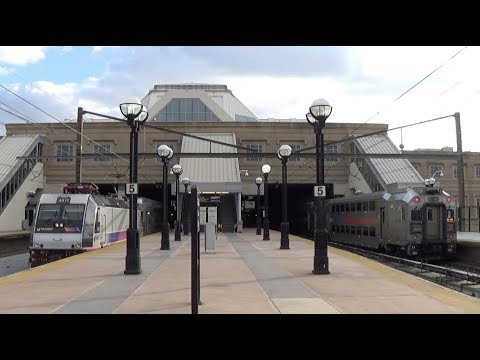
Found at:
[320, 190]
[131, 189]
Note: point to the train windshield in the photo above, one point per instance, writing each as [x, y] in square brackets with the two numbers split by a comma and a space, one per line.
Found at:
[69, 217]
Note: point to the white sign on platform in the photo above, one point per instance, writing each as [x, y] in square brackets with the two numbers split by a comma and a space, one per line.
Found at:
[320, 190]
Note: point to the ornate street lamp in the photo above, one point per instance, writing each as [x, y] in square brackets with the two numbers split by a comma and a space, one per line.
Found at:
[136, 115]
[177, 170]
[318, 114]
[266, 231]
[259, 181]
[283, 153]
[165, 154]
[185, 182]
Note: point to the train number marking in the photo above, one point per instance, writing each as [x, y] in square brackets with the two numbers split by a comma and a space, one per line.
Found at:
[319, 190]
[131, 189]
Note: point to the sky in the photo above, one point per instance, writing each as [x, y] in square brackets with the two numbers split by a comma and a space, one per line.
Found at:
[363, 84]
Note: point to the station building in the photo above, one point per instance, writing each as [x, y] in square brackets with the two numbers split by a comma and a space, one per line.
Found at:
[209, 131]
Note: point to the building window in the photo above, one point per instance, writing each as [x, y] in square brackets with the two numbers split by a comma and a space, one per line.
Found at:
[330, 149]
[186, 110]
[477, 172]
[102, 149]
[65, 152]
[257, 148]
[294, 157]
[455, 173]
[434, 169]
[477, 200]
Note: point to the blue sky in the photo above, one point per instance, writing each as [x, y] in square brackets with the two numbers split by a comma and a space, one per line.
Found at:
[361, 83]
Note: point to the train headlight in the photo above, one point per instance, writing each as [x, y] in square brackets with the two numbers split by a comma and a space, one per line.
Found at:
[57, 225]
[61, 225]
[450, 236]
[36, 246]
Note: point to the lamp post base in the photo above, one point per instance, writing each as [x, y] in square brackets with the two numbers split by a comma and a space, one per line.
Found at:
[178, 233]
[284, 241]
[165, 243]
[320, 265]
[132, 260]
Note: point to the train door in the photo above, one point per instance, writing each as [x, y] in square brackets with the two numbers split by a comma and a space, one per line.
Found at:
[99, 228]
[433, 223]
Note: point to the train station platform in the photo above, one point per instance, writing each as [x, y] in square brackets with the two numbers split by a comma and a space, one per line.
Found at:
[244, 275]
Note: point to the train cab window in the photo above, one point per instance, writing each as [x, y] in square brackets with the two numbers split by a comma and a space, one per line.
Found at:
[353, 229]
[365, 231]
[450, 214]
[347, 207]
[430, 215]
[371, 206]
[372, 231]
[364, 206]
[416, 215]
[342, 207]
[359, 206]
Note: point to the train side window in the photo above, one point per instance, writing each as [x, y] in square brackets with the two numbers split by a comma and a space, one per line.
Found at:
[372, 231]
[332, 209]
[365, 231]
[342, 207]
[332, 228]
[352, 207]
[347, 207]
[347, 229]
[430, 215]
[353, 229]
[416, 215]
[342, 229]
[337, 208]
[364, 206]
[372, 205]
[359, 230]
[359, 206]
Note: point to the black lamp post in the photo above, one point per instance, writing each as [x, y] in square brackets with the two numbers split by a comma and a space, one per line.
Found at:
[318, 114]
[266, 231]
[185, 182]
[283, 153]
[166, 154]
[136, 115]
[259, 181]
[177, 170]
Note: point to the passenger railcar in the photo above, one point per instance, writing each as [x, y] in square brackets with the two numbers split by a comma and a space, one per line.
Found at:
[417, 222]
[82, 220]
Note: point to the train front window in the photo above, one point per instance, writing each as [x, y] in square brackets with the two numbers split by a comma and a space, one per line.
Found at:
[73, 215]
[47, 213]
[416, 215]
[450, 214]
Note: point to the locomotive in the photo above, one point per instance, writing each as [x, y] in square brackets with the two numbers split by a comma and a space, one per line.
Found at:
[416, 221]
[80, 219]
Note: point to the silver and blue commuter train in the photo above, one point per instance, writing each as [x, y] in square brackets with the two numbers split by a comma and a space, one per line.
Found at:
[81, 220]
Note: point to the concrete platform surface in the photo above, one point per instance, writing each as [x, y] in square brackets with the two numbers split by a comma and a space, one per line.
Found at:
[244, 275]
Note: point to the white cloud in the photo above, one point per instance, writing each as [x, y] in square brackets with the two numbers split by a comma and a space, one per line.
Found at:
[66, 49]
[21, 55]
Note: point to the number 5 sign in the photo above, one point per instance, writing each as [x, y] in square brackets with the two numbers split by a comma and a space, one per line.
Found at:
[131, 189]
[319, 190]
